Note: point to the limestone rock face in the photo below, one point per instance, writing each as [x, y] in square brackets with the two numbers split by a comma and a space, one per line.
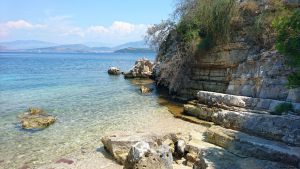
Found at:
[261, 76]
[114, 71]
[36, 118]
[141, 156]
[142, 69]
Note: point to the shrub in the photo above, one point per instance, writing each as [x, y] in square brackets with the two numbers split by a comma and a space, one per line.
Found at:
[262, 32]
[283, 108]
[208, 19]
[288, 43]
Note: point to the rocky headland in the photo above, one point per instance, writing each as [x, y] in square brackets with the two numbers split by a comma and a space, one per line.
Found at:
[237, 91]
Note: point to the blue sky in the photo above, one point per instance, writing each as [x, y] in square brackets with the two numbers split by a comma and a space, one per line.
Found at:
[74, 21]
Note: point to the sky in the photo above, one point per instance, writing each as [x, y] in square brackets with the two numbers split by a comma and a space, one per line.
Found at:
[76, 21]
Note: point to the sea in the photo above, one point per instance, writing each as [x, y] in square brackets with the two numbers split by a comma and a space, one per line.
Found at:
[75, 88]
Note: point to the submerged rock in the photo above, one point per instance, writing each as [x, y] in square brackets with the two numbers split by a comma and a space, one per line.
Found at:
[145, 90]
[114, 71]
[142, 69]
[36, 118]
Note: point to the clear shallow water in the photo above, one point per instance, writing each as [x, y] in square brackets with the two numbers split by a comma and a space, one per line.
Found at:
[77, 89]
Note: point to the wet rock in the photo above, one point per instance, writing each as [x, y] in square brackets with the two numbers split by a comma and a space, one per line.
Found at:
[63, 160]
[36, 118]
[114, 71]
[142, 69]
[200, 164]
[145, 90]
[141, 156]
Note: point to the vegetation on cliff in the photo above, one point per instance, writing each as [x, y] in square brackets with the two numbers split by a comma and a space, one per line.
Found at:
[198, 26]
[288, 43]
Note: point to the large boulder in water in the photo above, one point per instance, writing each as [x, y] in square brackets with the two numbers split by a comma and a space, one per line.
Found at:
[142, 69]
[114, 71]
[36, 118]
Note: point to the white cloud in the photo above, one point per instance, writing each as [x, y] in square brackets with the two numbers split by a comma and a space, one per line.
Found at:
[122, 27]
[22, 24]
[97, 29]
[62, 28]
[118, 28]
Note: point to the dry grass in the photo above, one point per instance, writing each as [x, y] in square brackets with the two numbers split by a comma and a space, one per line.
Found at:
[250, 7]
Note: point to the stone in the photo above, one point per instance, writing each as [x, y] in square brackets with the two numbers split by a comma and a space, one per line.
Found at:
[245, 145]
[292, 3]
[223, 100]
[142, 69]
[213, 156]
[191, 158]
[138, 150]
[36, 118]
[145, 90]
[118, 144]
[169, 143]
[180, 147]
[200, 164]
[294, 95]
[141, 156]
[114, 71]
[285, 128]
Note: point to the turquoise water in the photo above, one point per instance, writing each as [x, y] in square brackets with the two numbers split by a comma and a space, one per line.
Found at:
[77, 89]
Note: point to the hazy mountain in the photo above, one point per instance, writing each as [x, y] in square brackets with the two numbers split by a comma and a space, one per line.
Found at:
[97, 44]
[48, 47]
[25, 44]
[134, 50]
[72, 48]
[137, 44]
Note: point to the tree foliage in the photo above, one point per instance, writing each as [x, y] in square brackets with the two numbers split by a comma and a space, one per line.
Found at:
[288, 43]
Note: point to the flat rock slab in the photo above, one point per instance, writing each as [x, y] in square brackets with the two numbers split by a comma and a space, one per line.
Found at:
[285, 128]
[217, 157]
[216, 99]
[250, 146]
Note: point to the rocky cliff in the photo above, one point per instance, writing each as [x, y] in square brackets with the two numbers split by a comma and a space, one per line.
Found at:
[248, 65]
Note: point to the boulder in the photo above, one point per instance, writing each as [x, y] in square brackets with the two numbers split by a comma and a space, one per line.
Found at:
[141, 156]
[142, 69]
[114, 71]
[119, 144]
[36, 118]
[145, 90]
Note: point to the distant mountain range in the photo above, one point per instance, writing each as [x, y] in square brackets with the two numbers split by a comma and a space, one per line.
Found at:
[34, 46]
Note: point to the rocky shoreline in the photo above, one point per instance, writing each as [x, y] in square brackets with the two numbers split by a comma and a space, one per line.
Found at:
[214, 131]
[243, 129]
